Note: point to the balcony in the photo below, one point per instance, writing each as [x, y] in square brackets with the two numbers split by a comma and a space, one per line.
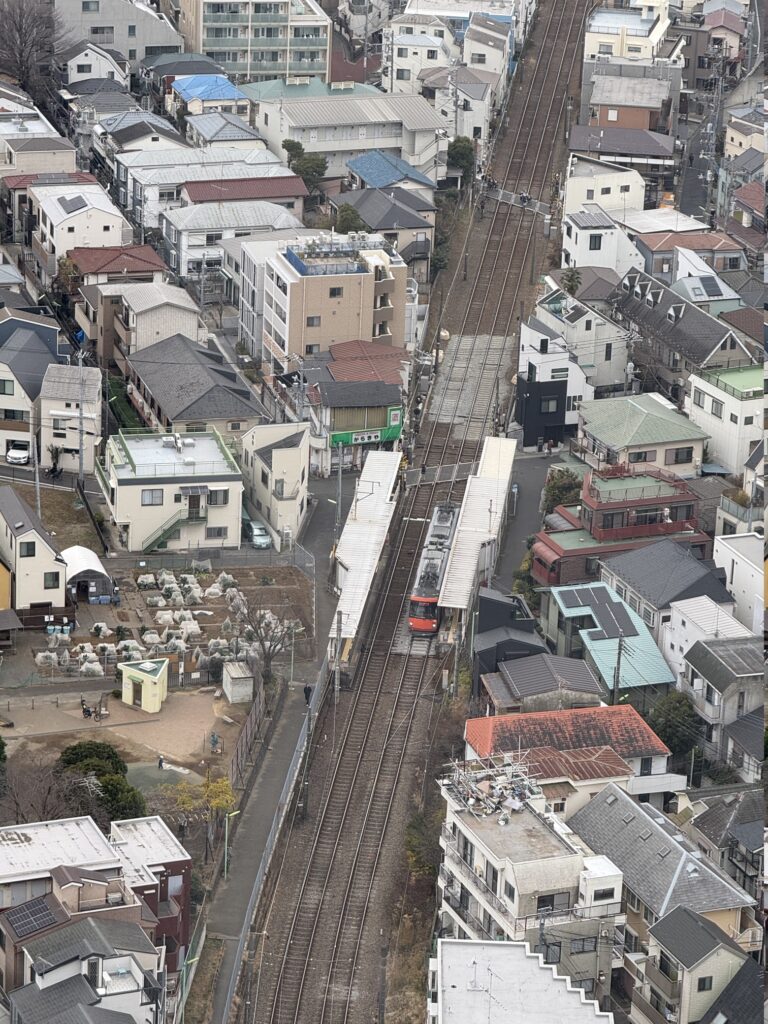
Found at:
[45, 259]
[705, 709]
[640, 530]
[632, 490]
[664, 782]
[123, 332]
[383, 314]
[750, 939]
[87, 326]
[474, 925]
[383, 285]
[741, 513]
[476, 881]
[649, 1012]
[15, 426]
[669, 987]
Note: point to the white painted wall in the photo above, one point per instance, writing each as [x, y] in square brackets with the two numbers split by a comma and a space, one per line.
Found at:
[731, 442]
[587, 180]
[682, 632]
[742, 558]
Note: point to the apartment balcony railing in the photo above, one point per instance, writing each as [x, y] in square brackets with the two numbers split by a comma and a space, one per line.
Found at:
[101, 476]
[45, 259]
[647, 1010]
[632, 491]
[466, 915]
[383, 286]
[670, 987]
[15, 426]
[750, 939]
[308, 65]
[456, 861]
[706, 709]
[743, 513]
[640, 530]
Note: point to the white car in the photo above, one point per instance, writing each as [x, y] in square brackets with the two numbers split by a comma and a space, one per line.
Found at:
[260, 537]
[17, 455]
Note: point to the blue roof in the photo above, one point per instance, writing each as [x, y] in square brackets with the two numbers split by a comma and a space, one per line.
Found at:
[207, 87]
[641, 660]
[379, 170]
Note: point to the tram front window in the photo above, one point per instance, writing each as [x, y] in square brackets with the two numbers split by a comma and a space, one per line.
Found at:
[423, 610]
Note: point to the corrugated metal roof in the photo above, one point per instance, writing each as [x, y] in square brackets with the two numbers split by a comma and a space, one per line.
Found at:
[209, 216]
[412, 111]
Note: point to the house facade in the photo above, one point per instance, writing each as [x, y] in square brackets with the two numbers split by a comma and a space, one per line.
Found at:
[592, 238]
[741, 558]
[136, 30]
[728, 405]
[38, 572]
[65, 389]
[692, 619]
[275, 464]
[614, 188]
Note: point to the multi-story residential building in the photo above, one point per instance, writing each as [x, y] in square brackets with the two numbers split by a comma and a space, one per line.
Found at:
[307, 287]
[456, 988]
[724, 679]
[692, 619]
[119, 320]
[621, 511]
[64, 391]
[286, 190]
[414, 45]
[85, 60]
[169, 492]
[651, 579]
[702, 67]
[638, 30]
[339, 126]
[591, 238]
[156, 74]
[653, 154]
[728, 405]
[134, 29]
[688, 964]
[515, 873]
[741, 557]
[741, 510]
[618, 727]
[131, 263]
[542, 682]
[221, 129]
[275, 40]
[694, 280]
[667, 68]
[179, 386]
[589, 180]
[639, 430]
[38, 572]
[130, 131]
[83, 105]
[662, 870]
[204, 94]
[29, 344]
[746, 222]
[383, 170]
[745, 746]
[728, 828]
[743, 130]
[589, 621]
[191, 233]
[644, 103]
[732, 173]
[67, 217]
[275, 464]
[660, 249]
[29, 143]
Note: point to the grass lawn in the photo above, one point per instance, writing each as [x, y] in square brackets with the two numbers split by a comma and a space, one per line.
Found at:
[121, 407]
[69, 524]
[200, 998]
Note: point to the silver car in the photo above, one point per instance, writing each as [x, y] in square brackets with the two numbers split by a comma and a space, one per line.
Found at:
[17, 455]
[260, 537]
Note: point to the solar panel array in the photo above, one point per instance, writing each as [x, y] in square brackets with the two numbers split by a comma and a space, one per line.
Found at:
[30, 917]
[611, 615]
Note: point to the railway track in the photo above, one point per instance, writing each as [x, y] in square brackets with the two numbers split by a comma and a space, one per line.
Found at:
[307, 971]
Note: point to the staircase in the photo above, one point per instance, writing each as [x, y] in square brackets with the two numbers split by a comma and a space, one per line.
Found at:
[162, 533]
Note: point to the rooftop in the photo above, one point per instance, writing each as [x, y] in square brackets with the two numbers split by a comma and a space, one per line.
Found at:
[727, 661]
[620, 91]
[214, 190]
[710, 617]
[216, 126]
[412, 111]
[143, 296]
[19, 519]
[380, 170]
[752, 195]
[689, 937]
[620, 727]
[222, 215]
[279, 89]
[116, 259]
[634, 420]
[206, 87]
[544, 673]
[88, 937]
[146, 455]
[145, 843]
[29, 851]
[725, 811]
[622, 142]
[747, 320]
[667, 571]
[746, 381]
[741, 1001]
[748, 732]
[63, 383]
[339, 254]
[665, 241]
[389, 210]
[546, 764]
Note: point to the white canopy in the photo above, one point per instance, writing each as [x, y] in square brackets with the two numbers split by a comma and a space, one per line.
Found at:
[80, 559]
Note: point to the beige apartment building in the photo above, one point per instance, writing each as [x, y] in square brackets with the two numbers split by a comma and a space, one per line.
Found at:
[325, 290]
[275, 464]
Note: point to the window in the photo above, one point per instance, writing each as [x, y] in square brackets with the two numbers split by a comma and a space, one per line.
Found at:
[335, 293]
[509, 892]
[234, 425]
[583, 945]
[646, 765]
[698, 397]
[106, 227]
[717, 409]
[402, 51]
[132, 54]
[403, 75]
[90, 7]
[219, 497]
[648, 616]
[642, 457]
[152, 496]
[624, 188]
[604, 895]
[613, 115]
[560, 373]
[734, 418]
[264, 478]
[590, 193]
[748, 421]
[27, 549]
[548, 406]
[431, 54]
[605, 191]
[590, 566]
[216, 532]
[734, 262]
[678, 456]
[477, 58]
[311, 350]
[587, 325]
[313, 321]
[6, 387]
[51, 580]
[648, 915]
[605, 48]
[704, 984]
[553, 901]
[212, 236]
[608, 352]
[568, 229]
[558, 806]
[59, 428]
[84, 69]
[595, 243]
[551, 952]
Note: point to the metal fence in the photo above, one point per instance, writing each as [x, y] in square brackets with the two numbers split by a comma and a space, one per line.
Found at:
[215, 559]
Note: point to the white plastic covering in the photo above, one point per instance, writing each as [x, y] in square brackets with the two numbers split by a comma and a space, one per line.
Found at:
[80, 559]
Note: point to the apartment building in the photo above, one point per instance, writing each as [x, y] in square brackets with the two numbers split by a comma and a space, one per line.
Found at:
[355, 417]
[275, 464]
[644, 103]
[281, 39]
[667, 68]
[591, 238]
[172, 493]
[413, 46]
[134, 29]
[29, 143]
[741, 509]
[28, 345]
[660, 251]
[131, 263]
[728, 828]
[728, 405]
[64, 391]
[692, 619]
[620, 512]
[130, 131]
[589, 180]
[511, 872]
[353, 286]
[204, 94]
[741, 557]
[636, 31]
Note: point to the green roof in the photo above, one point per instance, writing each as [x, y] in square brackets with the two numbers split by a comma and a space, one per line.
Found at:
[572, 540]
[740, 378]
[637, 420]
[279, 89]
[566, 461]
[629, 487]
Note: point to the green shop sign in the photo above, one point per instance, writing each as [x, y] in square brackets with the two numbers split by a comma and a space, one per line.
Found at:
[374, 435]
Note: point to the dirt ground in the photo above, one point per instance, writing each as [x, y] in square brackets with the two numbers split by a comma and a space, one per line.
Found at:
[61, 515]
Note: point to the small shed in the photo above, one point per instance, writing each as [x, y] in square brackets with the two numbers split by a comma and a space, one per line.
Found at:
[239, 683]
[145, 683]
[87, 579]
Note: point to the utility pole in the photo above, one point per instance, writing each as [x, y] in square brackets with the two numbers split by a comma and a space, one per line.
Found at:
[202, 286]
[337, 667]
[33, 447]
[533, 252]
[81, 424]
[617, 671]
[337, 520]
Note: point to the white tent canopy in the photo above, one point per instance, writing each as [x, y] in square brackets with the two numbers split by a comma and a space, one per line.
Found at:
[82, 560]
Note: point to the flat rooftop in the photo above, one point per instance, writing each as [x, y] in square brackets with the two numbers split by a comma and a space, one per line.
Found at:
[744, 379]
[147, 455]
[525, 839]
[635, 487]
[34, 849]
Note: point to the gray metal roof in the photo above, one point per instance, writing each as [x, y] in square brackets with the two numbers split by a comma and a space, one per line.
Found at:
[292, 441]
[621, 141]
[689, 937]
[747, 732]
[660, 866]
[741, 1001]
[541, 328]
[756, 456]
[597, 283]
[592, 216]
[385, 209]
[228, 127]
[88, 937]
[723, 663]
[545, 673]
[26, 355]
[139, 129]
[725, 811]
[211, 216]
[413, 112]
[366, 394]
[40, 1005]
[63, 383]
[667, 571]
[193, 383]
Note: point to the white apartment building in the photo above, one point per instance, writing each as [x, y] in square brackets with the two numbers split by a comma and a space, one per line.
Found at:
[411, 55]
[275, 464]
[728, 404]
[697, 618]
[638, 30]
[508, 867]
[260, 42]
[69, 217]
[339, 127]
[132, 131]
[134, 29]
[65, 389]
[324, 290]
[591, 238]
[29, 143]
[85, 60]
[741, 556]
[616, 189]
[171, 492]
[38, 571]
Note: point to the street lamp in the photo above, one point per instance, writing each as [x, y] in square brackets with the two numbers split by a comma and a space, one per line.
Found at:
[294, 630]
[232, 814]
[184, 967]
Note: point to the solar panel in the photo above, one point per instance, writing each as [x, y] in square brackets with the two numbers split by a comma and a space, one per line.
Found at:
[570, 598]
[30, 917]
[711, 287]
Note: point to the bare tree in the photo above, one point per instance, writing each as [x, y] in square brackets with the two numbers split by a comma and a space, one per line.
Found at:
[30, 35]
[35, 789]
[263, 625]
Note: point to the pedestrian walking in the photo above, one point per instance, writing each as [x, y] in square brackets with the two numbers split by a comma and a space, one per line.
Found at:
[160, 762]
[307, 694]
[550, 446]
[690, 159]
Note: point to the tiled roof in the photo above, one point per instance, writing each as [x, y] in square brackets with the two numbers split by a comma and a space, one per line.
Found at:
[741, 1001]
[664, 241]
[543, 673]
[637, 420]
[752, 195]
[619, 727]
[747, 732]
[220, 216]
[580, 765]
[231, 190]
[722, 663]
[746, 319]
[19, 517]
[23, 181]
[629, 141]
[689, 937]
[726, 19]
[378, 170]
[356, 394]
[116, 259]
[382, 210]
[666, 571]
[724, 811]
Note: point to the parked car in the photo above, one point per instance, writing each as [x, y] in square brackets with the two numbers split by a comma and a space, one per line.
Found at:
[260, 537]
[17, 455]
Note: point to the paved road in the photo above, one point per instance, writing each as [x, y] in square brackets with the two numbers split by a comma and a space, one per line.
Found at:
[529, 475]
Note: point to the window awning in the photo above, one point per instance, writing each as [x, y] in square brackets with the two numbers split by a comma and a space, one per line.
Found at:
[197, 489]
[545, 554]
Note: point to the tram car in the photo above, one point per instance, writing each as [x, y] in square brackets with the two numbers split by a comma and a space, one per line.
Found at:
[423, 611]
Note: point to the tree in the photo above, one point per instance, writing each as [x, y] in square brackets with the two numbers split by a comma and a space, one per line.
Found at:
[311, 168]
[461, 154]
[35, 789]
[31, 33]
[55, 452]
[293, 149]
[676, 723]
[348, 219]
[92, 753]
[562, 488]
[571, 280]
[120, 799]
